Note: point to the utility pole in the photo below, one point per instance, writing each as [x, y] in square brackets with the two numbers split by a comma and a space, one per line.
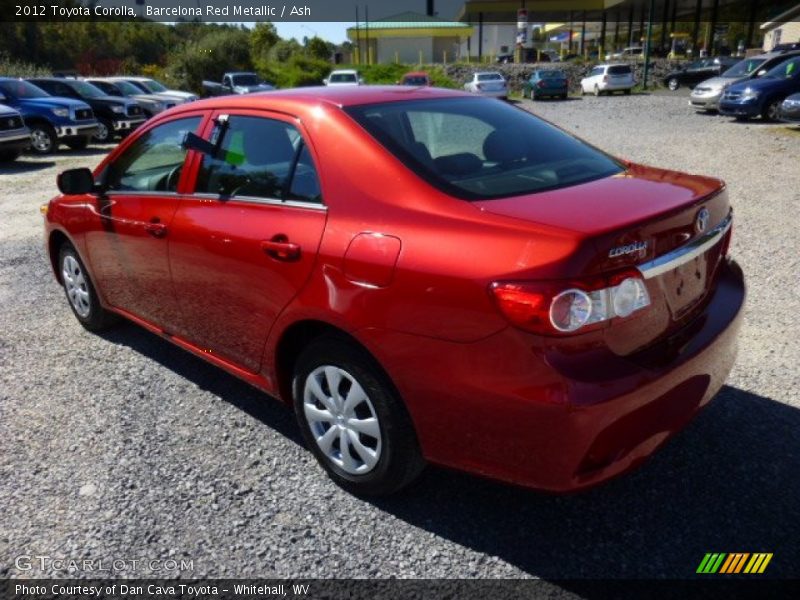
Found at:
[647, 45]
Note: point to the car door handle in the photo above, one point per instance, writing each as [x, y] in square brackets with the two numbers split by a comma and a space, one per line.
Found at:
[156, 229]
[280, 248]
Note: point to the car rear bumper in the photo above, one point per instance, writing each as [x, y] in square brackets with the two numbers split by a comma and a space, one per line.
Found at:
[544, 92]
[510, 408]
[614, 87]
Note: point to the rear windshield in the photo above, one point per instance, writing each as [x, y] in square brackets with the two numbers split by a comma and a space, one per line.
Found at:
[415, 80]
[342, 77]
[246, 79]
[619, 70]
[744, 67]
[489, 77]
[478, 148]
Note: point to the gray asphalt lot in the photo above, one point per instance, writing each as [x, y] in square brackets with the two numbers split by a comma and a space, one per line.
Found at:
[122, 446]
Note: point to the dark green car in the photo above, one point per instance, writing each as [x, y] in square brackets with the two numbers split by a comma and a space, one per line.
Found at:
[543, 83]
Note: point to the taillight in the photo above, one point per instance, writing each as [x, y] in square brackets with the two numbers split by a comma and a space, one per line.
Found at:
[541, 84]
[562, 308]
[605, 78]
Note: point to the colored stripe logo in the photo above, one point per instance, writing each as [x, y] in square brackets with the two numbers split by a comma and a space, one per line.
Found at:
[733, 563]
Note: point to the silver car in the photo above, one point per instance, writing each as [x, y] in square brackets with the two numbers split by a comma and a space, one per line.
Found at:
[488, 83]
[706, 95]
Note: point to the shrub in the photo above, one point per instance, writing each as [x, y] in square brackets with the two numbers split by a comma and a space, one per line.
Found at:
[17, 68]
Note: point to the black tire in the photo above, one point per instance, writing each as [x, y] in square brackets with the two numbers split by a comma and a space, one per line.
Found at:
[96, 318]
[627, 92]
[79, 144]
[43, 139]
[399, 459]
[771, 110]
[563, 96]
[9, 155]
[105, 132]
[673, 83]
[597, 91]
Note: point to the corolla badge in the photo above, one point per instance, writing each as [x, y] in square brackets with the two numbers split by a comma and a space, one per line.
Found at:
[701, 221]
[628, 249]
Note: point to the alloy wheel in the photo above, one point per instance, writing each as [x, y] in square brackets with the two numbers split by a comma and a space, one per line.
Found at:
[41, 141]
[342, 419]
[673, 84]
[102, 134]
[75, 284]
[772, 111]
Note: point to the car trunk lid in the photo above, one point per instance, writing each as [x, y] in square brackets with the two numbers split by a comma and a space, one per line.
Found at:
[644, 218]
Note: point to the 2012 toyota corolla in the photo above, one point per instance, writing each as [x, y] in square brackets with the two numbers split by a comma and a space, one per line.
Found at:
[425, 275]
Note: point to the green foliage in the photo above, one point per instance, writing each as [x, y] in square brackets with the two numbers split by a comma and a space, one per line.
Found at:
[318, 48]
[263, 37]
[210, 57]
[298, 71]
[15, 68]
[390, 74]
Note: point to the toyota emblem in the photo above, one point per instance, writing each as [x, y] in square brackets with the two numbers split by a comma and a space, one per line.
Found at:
[701, 222]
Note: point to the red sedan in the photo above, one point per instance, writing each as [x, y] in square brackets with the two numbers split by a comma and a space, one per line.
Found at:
[425, 275]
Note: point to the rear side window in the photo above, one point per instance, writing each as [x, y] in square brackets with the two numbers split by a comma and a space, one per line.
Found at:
[477, 149]
[619, 70]
[259, 158]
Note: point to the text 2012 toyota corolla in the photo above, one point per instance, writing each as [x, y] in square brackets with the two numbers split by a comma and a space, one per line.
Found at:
[425, 275]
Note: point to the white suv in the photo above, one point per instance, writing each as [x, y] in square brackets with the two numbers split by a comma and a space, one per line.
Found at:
[608, 79]
[343, 77]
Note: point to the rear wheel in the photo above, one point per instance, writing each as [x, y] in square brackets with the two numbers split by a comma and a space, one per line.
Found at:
[43, 139]
[80, 292]
[596, 90]
[628, 92]
[353, 420]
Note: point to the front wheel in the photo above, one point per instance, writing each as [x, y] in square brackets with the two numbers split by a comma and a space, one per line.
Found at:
[628, 92]
[596, 91]
[673, 83]
[43, 139]
[104, 133]
[353, 420]
[80, 291]
[771, 110]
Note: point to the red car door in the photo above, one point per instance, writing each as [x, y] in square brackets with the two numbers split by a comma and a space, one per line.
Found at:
[127, 243]
[244, 243]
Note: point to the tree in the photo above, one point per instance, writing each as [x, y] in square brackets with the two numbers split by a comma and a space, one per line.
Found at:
[263, 37]
[319, 48]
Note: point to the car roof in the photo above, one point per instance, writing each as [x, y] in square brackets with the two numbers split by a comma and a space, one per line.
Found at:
[488, 73]
[416, 74]
[337, 96]
[344, 71]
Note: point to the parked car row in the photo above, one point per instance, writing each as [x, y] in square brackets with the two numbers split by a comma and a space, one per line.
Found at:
[753, 87]
[42, 113]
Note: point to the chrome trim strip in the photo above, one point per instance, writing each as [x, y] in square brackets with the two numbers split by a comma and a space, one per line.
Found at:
[679, 256]
[16, 136]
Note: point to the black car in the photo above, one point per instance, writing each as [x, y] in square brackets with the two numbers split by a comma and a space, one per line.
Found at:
[116, 116]
[699, 70]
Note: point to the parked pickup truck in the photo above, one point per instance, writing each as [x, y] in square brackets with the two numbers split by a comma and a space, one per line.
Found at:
[115, 116]
[237, 83]
[14, 136]
[52, 120]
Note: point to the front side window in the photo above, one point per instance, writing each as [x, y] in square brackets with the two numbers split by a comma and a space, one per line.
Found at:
[744, 67]
[258, 158]
[478, 149]
[153, 163]
[785, 70]
[153, 86]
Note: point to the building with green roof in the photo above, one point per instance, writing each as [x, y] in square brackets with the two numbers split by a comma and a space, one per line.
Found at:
[409, 37]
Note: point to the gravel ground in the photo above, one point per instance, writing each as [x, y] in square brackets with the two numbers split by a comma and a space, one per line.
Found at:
[122, 446]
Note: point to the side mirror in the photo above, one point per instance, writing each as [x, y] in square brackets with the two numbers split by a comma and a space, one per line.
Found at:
[75, 182]
[2, 97]
[761, 72]
[325, 81]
